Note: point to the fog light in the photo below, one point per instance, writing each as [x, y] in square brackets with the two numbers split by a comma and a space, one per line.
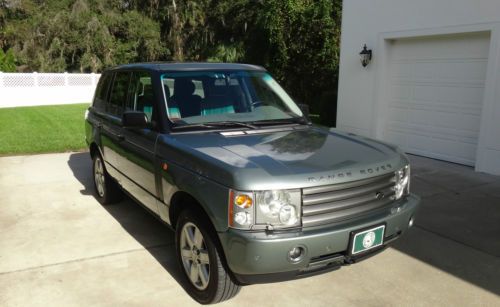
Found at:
[410, 223]
[296, 254]
[395, 210]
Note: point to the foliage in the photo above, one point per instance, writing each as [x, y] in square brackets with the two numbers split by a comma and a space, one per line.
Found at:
[81, 35]
[7, 61]
[296, 40]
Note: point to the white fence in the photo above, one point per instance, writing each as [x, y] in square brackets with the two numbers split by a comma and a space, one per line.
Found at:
[20, 89]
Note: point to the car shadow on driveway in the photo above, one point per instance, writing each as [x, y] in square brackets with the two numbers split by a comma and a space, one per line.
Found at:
[150, 232]
[433, 240]
[457, 226]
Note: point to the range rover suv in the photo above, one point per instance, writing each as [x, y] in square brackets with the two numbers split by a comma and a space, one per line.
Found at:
[254, 192]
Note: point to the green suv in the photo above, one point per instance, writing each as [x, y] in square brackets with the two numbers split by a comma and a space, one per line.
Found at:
[254, 192]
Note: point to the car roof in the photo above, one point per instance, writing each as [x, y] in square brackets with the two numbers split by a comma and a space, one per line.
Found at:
[186, 66]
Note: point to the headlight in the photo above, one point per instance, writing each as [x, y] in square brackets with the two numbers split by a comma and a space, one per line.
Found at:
[278, 208]
[272, 209]
[402, 186]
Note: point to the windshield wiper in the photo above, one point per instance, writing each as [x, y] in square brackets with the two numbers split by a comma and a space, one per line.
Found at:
[233, 124]
[293, 120]
[224, 124]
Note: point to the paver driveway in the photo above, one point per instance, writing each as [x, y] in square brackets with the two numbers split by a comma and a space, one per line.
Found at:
[60, 247]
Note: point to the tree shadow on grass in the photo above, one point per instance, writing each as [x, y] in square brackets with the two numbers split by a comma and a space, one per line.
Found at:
[156, 237]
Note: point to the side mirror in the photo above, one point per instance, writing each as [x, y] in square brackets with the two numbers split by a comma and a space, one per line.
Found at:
[305, 109]
[134, 119]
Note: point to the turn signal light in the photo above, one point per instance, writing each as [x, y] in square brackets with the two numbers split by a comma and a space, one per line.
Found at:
[243, 201]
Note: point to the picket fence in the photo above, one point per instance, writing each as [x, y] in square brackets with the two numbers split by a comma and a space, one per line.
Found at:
[31, 89]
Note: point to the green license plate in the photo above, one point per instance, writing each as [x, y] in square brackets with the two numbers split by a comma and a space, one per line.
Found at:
[367, 239]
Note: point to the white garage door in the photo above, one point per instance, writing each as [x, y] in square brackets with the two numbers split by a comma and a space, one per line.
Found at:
[435, 94]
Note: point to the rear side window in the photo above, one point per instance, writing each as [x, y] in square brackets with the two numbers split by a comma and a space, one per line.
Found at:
[118, 94]
[101, 92]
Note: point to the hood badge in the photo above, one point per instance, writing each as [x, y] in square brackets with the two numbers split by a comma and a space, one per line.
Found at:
[379, 195]
[331, 177]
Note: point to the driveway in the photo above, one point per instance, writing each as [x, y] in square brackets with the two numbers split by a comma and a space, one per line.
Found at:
[60, 247]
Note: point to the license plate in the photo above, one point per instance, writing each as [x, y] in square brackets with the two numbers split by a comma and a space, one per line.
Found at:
[367, 239]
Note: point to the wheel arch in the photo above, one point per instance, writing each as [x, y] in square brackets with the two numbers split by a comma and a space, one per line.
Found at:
[94, 149]
[182, 200]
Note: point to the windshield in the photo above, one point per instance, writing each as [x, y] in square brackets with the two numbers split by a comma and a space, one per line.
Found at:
[198, 97]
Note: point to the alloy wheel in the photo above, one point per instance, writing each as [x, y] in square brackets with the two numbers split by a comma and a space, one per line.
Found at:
[194, 254]
[99, 177]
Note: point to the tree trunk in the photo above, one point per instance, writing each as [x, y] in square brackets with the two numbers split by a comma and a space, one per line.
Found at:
[176, 34]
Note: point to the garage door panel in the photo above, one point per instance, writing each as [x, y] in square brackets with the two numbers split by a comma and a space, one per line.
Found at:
[423, 71]
[435, 94]
[417, 117]
[471, 121]
[436, 141]
[440, 119]
[444, 47]
[433, 131]
[433, 118]
[453, 120]
[441, 147]
[465, 70]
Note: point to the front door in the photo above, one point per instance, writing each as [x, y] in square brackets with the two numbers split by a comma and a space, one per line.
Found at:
[137, 155]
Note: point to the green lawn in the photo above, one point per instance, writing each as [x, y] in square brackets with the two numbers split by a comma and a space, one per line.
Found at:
[26, 130]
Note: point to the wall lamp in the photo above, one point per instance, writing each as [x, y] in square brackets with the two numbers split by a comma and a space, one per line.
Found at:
[366, 56]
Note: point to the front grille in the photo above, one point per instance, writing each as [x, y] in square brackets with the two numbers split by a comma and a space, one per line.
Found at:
[339, 202]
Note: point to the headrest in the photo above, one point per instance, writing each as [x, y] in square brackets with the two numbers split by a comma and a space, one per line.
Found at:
[218, 87]
[148, 90]
[183, 87]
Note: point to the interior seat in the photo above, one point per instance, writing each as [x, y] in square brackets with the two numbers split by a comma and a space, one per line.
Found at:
[145, 101]
[184, 99]
[218, 101]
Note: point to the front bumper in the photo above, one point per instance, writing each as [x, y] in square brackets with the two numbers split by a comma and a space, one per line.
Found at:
[261, 257]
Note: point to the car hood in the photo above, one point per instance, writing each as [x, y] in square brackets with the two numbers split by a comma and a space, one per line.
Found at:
[292, 157]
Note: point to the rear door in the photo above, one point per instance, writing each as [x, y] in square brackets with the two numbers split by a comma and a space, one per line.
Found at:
[111, 136]
[96, 113]
[136, 157]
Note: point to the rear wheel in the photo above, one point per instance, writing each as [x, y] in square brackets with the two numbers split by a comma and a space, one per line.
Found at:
[107, 189]
[205, 277]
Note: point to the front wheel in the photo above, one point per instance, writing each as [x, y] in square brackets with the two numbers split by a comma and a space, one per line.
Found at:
[205, 277]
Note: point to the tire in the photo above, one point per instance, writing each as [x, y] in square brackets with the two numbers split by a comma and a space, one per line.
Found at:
[204, 276]
[106, 188]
